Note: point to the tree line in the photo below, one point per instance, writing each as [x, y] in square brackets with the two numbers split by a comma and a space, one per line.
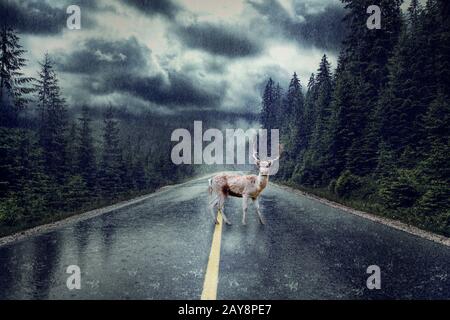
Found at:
[52, 164]
[375, 132]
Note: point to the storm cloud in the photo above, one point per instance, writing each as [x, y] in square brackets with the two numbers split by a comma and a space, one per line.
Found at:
[179, 90]
[219, 39]
[32, 16]
[99, 55]
[124, 66]
[166, 8]
[319, 25]
[174, 55]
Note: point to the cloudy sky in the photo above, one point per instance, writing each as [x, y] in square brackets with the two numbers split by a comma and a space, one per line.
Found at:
[173, 55]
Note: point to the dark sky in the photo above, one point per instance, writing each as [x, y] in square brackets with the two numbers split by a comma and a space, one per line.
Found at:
[172, 55]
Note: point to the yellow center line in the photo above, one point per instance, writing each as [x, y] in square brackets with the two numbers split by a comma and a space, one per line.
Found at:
[212, 270]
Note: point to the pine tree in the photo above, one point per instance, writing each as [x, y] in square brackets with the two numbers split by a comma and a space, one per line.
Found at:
[309, 110]
[294, 114]
[313, 170]
[410, 89]
[72, 146]
[13, 83]
[110, 175]
[139, 175]
[434, 168]
[322, 106]
[414, 14]
[86, 161]
[23, 182]
[442, 74]
[135, 163]
[268, 116]
[76, 193]
[279, 117]
[292, 128]
[129, 155]
[400, 191]
[53, 121]
[365, 56]
[342, 124]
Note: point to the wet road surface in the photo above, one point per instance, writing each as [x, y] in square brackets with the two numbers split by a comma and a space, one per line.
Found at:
[159, 249]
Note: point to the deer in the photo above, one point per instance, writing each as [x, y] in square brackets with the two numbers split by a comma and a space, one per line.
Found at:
[241, 186]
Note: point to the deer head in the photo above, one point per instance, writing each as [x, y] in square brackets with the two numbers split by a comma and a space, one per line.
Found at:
[264, 165]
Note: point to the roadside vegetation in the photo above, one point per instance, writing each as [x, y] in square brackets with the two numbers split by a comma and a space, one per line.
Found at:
[58, 160]
[374, 134]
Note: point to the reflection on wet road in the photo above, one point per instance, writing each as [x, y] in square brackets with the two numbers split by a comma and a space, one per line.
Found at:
[159, 249]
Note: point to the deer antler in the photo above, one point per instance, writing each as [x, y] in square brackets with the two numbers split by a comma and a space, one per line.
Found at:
[280, 151]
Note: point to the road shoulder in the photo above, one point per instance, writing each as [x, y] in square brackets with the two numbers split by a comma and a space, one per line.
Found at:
[373, 217]
[18, 236]
[89, 214]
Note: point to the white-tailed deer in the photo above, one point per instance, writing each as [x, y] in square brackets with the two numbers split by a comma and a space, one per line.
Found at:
[242, 186]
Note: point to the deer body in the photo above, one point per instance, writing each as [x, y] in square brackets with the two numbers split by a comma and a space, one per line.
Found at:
[239, 186]
[245, 187]
[242, 186]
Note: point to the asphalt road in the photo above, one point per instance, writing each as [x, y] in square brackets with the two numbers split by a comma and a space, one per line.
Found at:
[159, 249]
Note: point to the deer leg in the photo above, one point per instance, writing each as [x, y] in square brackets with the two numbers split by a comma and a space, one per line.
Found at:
[221, 206]
[256, 202]
[244, 208]
[214, 202]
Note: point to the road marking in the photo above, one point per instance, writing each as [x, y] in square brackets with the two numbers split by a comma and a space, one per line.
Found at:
[212, 270]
